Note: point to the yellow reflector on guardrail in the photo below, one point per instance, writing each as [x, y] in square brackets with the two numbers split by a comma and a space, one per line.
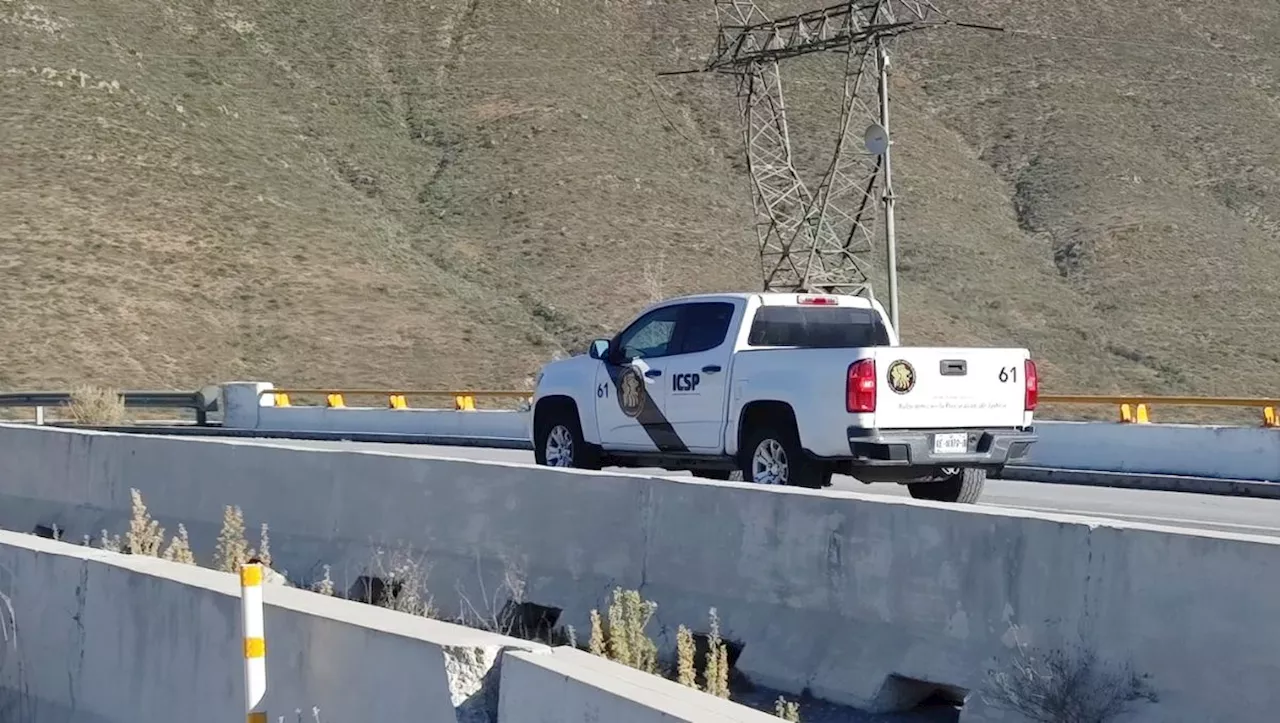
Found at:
[1130, 415]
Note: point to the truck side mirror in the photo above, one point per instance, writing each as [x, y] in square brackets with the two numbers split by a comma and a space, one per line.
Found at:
[599, 349]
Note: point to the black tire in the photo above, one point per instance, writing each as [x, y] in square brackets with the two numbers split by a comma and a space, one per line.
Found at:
[964, 487]
[802, 470]
[581, 454]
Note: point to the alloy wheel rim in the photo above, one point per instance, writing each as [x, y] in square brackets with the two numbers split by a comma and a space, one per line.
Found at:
[769, 463]
[559, 447]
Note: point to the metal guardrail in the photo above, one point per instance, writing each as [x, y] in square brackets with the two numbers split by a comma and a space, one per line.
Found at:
[463, 400]
[1136, 408]
[1045, 398]
[491, 393]
[201, 401]
[1118, 399]
[1132, 408]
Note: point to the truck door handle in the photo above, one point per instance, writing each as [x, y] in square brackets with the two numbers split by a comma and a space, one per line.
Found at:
[653, 373]
[711, 369]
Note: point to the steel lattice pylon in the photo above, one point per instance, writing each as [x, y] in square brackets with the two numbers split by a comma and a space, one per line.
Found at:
[813, 238]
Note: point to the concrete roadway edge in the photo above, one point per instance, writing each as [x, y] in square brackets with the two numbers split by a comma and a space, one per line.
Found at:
[1088, 478]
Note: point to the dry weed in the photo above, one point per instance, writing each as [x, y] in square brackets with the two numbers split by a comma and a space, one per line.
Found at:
[111, 543]
[717, 667]
[787, 710]
[145, 536]
[623, 639]
[315, 715]
[1065, 686]
[686, 667]
[264, 547]
[596, 645]
[179, 549]
[324, 585]
[232, 549]
[96, 406]
[404, 588]
[498, 611]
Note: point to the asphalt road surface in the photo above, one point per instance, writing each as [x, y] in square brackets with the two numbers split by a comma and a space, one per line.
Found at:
[1176, 509]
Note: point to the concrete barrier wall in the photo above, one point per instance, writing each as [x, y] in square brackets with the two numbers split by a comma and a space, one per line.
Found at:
[99, 637]
[843, 594]
[88, 636]
[1243, 453]
[572, 685]
[1239, 453]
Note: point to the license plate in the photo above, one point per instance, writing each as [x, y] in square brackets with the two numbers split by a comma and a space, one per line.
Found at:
[957, 443]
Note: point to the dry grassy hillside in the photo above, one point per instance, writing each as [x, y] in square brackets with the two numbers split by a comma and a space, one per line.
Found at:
[391, 192]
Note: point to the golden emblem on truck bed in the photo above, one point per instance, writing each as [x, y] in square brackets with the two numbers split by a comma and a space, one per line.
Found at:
[902, 377]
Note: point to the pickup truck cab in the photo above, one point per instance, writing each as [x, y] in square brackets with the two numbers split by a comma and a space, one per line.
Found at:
[788, 389]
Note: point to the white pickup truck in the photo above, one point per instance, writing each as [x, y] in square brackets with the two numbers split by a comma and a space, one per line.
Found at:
[789, 389]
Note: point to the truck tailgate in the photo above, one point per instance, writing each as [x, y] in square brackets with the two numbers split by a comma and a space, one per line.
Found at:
[937, 387]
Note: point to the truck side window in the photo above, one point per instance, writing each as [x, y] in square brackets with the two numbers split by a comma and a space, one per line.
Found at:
[704, 326]
[651, 334]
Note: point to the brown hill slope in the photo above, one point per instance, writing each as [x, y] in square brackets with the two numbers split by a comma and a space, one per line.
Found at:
[387, 192]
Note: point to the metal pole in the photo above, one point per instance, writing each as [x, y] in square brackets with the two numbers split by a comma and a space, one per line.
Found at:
[890, 239]
[255, 642]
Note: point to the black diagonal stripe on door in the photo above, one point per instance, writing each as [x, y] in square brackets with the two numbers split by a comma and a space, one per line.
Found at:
[634, 400]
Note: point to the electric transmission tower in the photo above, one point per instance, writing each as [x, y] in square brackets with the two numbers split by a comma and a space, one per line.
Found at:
[817, 238]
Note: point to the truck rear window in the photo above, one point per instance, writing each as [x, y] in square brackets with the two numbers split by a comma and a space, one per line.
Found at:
[817, 327]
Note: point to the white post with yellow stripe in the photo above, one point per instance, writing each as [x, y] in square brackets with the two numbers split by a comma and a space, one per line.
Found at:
[255, 642]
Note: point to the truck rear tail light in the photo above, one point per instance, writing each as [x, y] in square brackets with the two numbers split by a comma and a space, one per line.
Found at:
[817, 300]
[860, 387]
[1032, 397]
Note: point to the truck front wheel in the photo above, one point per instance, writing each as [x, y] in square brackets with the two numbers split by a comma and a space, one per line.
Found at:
[963, 486]
[558, 441]
[773, 456]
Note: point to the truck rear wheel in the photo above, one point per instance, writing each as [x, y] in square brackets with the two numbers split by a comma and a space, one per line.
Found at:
[773, 456]
[965, 486]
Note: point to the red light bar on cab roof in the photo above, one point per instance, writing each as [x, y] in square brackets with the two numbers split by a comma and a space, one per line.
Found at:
[817, 300]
